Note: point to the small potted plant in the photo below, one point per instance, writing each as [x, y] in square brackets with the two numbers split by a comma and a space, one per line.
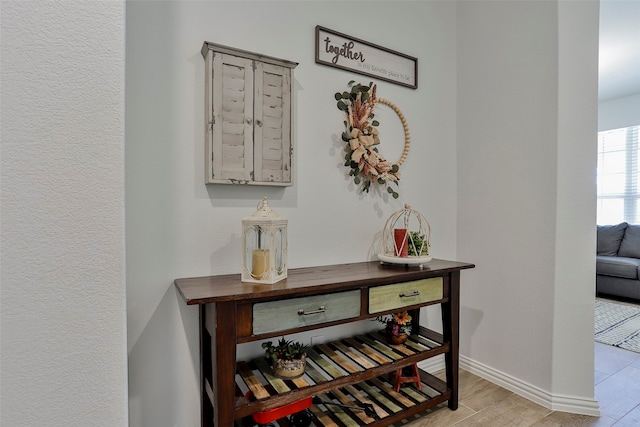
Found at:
[397, 327]
[417, 244]
[287, 359]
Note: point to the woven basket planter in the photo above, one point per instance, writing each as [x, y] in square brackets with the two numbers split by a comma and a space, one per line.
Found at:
[289, 369]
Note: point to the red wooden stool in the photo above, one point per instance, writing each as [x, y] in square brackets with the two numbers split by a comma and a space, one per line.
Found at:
[398, 378]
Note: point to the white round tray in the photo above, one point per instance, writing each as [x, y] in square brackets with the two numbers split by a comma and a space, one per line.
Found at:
[408, 260]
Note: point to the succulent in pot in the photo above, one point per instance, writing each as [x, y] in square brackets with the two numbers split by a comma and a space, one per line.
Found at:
[287, 358]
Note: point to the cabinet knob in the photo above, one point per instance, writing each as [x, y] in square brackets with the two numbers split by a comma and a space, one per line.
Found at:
[249, 120]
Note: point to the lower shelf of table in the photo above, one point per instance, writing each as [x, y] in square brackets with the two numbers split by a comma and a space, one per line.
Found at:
[388, 405]
[349, 371]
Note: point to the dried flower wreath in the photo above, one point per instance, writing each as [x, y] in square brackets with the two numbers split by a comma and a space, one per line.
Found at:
[364, 159]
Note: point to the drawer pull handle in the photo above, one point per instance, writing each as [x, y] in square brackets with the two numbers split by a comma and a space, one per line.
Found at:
[320, 309]
[412, 294]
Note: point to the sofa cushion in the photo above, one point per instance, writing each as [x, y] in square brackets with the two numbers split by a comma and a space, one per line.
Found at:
[617, 266]
[630, 246]
[609, 238]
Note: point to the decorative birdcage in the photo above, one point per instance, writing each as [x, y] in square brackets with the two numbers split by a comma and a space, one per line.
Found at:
[406, 238]
[264, 246]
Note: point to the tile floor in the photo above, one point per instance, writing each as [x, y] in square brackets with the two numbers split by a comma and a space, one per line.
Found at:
[482, 403]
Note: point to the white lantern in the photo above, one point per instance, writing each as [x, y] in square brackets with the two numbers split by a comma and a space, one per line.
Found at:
[264, 246]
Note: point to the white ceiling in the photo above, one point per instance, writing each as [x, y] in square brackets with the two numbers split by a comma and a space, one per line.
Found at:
[619, 64]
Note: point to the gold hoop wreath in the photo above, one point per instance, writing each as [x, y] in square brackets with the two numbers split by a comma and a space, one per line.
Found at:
[366, 162]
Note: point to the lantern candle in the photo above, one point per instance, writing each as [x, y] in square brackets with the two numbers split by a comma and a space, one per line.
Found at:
[260, 263]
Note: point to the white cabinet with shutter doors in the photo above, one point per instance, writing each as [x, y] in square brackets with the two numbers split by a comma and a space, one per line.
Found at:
[248, 108]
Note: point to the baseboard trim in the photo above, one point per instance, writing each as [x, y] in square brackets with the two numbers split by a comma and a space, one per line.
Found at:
[562, 403]
[433, 364]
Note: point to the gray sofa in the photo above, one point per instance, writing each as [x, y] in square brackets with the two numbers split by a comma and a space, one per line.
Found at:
[618, 260]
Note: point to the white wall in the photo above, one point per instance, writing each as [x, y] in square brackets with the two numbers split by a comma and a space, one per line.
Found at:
[573, 298]
[526, 199]
[506, 194]
[502, 196]
[619, 113]
[62, 260]
[178, 227]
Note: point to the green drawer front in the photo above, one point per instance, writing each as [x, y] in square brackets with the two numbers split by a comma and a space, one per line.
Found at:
[281, 315]
[390, 297]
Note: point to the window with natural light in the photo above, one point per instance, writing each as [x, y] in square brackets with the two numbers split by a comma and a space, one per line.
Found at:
[618, 177]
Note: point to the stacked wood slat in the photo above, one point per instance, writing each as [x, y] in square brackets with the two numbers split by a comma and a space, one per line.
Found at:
[332, 363]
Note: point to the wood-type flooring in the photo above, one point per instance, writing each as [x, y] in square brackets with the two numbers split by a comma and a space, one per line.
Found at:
[482, 403]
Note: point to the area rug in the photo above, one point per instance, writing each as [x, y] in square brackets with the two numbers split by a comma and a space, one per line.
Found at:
[618, 324]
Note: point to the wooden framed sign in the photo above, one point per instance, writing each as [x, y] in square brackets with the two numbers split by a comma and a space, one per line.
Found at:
[349, 53]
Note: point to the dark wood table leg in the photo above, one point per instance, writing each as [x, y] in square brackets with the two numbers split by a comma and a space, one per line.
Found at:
[451, 332]
[206, 409]
[224, 353]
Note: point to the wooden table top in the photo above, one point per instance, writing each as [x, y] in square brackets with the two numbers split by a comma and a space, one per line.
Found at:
[300, 281]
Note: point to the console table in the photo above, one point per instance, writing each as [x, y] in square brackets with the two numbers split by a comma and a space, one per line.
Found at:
[349, 371]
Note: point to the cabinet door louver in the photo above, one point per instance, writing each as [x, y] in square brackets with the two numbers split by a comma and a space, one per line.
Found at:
[232, 118]
[272, 156]
[248, 101]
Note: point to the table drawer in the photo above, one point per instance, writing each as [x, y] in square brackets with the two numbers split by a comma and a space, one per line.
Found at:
[390, 297]
[291, 313]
